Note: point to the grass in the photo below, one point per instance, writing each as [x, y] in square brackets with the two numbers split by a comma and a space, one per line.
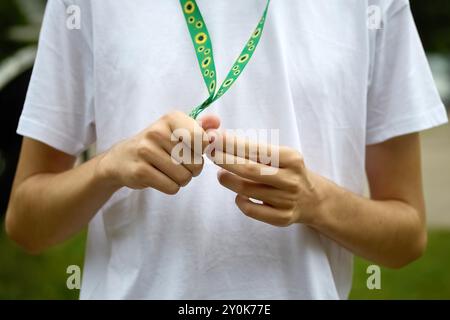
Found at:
[38, 277]
[427, 278]
[44, 276]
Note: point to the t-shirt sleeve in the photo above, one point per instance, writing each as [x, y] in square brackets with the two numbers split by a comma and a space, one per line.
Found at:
[59, 107]
[402, 96]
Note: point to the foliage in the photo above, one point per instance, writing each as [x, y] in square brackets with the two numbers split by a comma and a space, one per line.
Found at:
[432, 18]
[38, 277]
[44, 277]
[433, 21]
[427, 278]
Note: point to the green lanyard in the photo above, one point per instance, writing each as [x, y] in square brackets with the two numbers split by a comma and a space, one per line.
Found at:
[204, 51]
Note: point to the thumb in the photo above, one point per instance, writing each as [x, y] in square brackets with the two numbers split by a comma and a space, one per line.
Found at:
[209, 121]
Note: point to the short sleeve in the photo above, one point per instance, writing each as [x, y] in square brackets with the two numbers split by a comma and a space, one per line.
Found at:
[402, 96]
[59, 107]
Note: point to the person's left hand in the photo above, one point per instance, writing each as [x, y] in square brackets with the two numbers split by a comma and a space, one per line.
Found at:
[288, 193]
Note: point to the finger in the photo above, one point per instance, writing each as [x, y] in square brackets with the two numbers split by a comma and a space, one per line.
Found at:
[154, 178]
[263, 212]
[209, 121]
[184, 156]
[196, 166]
[249, 169]
[186, 130]
[192, 162]
[180, 153]
[161, 134]
[263, 153]
[163, 162]
[250, 189]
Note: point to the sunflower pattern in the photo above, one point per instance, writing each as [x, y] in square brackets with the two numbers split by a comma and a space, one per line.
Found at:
[206, 62]
[204, 51]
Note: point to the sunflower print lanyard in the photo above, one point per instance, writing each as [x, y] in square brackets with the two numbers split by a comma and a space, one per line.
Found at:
[204, 51]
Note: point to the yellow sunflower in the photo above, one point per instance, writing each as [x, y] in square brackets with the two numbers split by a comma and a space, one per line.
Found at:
[243, 58]
[206, 62]
[228, 82]
[189, 7]
[201, 38]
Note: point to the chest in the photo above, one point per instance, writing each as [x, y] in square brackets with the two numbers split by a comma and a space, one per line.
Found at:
[312, 59]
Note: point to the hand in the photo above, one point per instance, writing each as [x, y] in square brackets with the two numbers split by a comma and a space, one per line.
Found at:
[291, 194]
[144, 161]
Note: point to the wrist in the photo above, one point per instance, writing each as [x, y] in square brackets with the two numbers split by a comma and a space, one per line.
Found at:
[325, 194]
[104, 174]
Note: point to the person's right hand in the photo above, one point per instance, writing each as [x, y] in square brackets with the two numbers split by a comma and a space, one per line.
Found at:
[144, 161]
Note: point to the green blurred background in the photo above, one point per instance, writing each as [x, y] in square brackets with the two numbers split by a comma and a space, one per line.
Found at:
[44, 277]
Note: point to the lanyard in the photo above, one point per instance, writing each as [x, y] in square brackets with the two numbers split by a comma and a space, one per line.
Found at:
[204, 51]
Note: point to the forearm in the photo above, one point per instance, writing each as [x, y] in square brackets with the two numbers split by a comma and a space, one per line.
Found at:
[50, 201]
[47, 208]
[389, 232]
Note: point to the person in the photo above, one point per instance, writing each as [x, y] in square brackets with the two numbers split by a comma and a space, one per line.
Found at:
[347, 101]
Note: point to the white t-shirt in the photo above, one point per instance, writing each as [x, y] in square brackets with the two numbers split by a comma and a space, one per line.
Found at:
[329, 83]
